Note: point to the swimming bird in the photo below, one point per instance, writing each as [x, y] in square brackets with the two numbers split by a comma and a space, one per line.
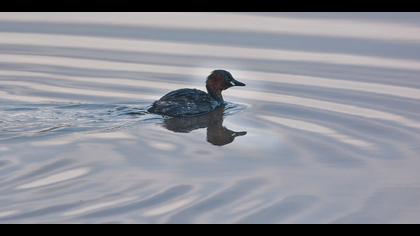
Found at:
[192, 102]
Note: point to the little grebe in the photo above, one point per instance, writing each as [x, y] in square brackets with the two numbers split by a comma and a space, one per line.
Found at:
[193, 102]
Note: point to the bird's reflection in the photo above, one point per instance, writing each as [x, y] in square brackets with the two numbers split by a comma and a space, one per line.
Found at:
[217, 134]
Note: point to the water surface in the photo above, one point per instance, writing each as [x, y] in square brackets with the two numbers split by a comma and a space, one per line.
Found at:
[326, 130]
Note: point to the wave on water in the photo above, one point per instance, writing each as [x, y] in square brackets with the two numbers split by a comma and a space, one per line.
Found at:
[30, 120]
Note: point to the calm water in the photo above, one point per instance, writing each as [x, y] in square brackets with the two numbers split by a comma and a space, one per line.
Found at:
[327, 129]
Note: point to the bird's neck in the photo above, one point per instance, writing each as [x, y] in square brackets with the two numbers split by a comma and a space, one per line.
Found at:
[216, 94]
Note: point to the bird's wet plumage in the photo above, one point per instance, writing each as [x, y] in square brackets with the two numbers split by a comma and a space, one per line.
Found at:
[185, 102]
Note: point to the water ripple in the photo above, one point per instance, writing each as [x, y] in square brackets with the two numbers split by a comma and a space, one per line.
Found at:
[281, 211]
[157, 199]
[199, 50]
[56, 178]
[307, 126]
[233, 22]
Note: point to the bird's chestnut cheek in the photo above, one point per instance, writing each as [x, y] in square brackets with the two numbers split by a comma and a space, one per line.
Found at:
[224, 87]
[217, 85]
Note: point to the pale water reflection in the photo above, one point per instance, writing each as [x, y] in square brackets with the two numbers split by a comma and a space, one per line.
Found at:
[326, 131]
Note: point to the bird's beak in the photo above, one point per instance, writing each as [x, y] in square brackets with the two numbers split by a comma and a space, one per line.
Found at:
[237, 83]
